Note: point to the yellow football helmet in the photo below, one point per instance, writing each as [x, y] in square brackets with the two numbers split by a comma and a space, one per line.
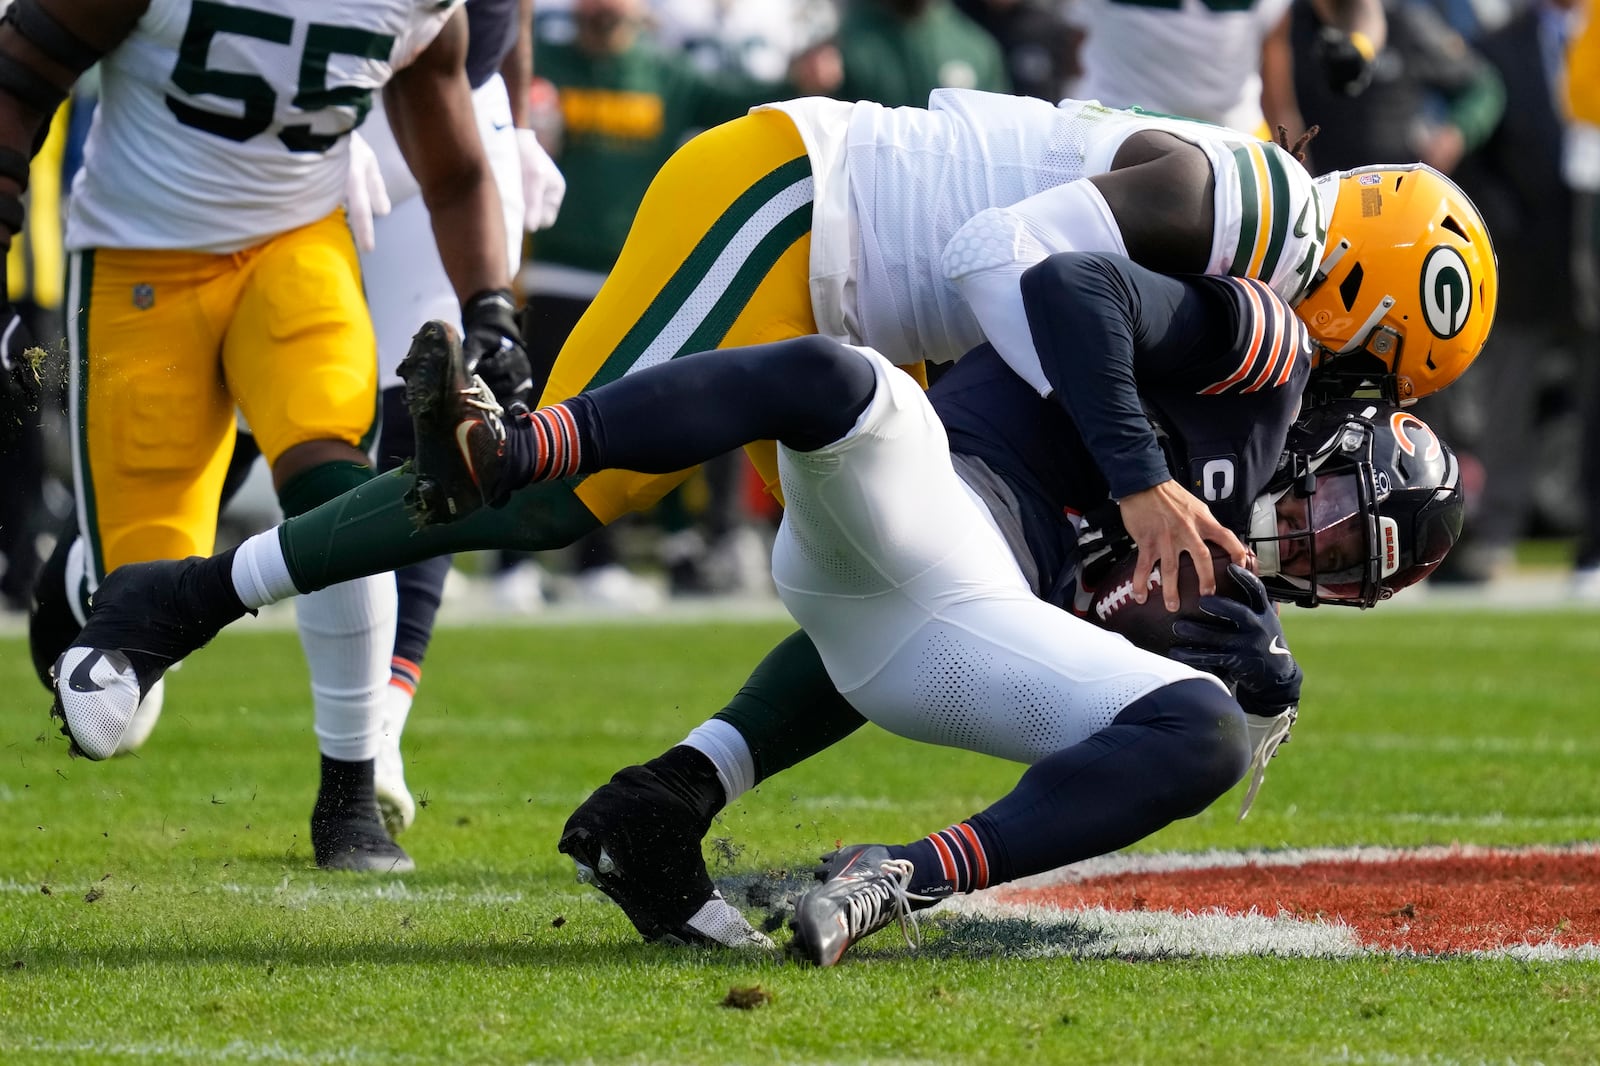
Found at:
[1405, 293]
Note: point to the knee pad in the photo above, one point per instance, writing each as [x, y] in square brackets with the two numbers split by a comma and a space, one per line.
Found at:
[822, 387]
[1211, 748]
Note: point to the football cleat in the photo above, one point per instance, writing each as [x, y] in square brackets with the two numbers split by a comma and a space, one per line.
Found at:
[461, 440]
[638, 842]
[862, 891]
[143, 619]
[356, 841]
[395, 805]
[144, 719]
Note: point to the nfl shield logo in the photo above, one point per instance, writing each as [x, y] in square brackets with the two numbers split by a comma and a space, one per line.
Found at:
[144, 297]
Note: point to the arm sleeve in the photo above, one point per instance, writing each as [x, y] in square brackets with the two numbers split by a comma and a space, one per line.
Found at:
[1099, 324]
[1473, 89]
[987, 256]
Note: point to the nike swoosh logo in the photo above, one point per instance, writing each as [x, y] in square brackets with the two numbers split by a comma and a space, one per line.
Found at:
[1277, 647]
[500, 125]
[1300, 223]
[82, 679]
[463, 431]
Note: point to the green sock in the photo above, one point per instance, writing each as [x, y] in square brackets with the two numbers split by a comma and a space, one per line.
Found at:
[369, 531]
[789, 710]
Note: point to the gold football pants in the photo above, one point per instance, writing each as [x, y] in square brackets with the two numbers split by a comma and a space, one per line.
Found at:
[718, 257]
[165, 344]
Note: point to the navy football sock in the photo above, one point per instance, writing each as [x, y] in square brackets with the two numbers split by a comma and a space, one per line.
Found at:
[1168, 755]
[806, 393]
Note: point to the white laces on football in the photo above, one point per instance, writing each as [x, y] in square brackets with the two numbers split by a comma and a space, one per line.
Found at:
[1266, 735]
[479, 395]
[867, 903]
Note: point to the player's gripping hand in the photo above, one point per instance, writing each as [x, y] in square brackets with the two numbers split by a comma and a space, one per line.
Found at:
[492, 348]
[1347, 60]
[1242, 643]
[1166, 522]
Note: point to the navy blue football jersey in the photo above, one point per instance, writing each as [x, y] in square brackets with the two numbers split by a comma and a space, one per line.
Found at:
[1194, 378]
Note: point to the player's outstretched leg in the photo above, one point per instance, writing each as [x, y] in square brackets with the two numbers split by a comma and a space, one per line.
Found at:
[144, 617]
[1167, 755]
[805, 392]
[637, 839]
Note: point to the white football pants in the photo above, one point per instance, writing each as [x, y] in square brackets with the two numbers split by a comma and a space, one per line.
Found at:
[923, 618]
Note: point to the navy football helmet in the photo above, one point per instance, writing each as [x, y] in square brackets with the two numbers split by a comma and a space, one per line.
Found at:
[1366, 500]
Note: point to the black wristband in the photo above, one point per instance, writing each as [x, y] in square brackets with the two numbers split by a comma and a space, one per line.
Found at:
[489, 302]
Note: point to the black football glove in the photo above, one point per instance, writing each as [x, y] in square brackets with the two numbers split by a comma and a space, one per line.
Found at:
[491, 346]
[19, 373]
[1243, 644]
[1346, 66]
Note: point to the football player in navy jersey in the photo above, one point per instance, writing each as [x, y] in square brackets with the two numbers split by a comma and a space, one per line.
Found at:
[1198, 376]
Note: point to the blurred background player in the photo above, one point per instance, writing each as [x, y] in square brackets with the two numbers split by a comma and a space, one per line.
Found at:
[1515, 176]
[1581, 167]
[1223, 61]
[1431, 97]
[619, 103]
[211, 266]
[897, 52]
[1040, 46]
[406, 285]
[30, 391]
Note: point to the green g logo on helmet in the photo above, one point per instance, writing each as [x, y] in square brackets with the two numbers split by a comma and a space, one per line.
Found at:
[1446, 292]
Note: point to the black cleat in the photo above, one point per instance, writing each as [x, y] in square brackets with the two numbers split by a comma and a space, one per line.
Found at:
[460, 438]
[639, 842]
[357, 841]
[144, 618]
[862, 891]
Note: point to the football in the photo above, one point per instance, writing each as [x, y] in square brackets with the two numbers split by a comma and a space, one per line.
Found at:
[1149, 624]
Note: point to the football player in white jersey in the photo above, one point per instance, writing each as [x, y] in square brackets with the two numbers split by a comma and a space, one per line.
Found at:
[906, 230]
[406, 284]
[1222, 61]
[212, 267]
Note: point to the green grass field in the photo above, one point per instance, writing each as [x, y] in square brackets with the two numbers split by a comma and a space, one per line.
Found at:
[165, 908]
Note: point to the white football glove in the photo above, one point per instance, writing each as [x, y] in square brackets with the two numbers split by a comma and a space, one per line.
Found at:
[365, 195]
[543, 186]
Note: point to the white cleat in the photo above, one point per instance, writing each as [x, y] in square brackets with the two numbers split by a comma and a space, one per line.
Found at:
[395, 804]
[97, 699]
[144, 719]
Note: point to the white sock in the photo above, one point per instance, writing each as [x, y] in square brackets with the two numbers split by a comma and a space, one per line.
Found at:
[347, 631]
[728, 752]
[261, 573]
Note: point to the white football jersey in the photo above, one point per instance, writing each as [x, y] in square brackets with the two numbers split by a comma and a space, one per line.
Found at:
[222, 124]
[1200, 58]
[895, 185]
